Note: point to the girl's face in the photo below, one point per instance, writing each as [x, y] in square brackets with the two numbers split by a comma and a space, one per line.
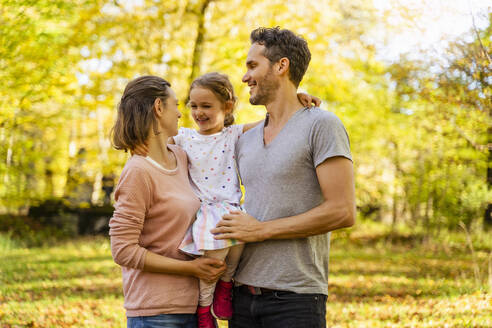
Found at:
[207, 110]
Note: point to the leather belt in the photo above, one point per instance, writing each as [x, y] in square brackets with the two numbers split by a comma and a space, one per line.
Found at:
[256, 290]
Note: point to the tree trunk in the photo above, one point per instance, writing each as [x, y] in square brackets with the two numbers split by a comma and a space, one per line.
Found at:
[196, 59]
[199, 41]
[8, 159]
[488, 210]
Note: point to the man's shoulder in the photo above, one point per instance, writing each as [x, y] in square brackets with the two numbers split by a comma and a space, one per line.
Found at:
[319, 119]
[318, 114]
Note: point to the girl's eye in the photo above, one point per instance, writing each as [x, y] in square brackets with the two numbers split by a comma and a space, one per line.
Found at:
[193, 106]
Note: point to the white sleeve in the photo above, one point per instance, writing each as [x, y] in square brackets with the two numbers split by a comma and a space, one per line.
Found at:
[237, 130]
[180, 138]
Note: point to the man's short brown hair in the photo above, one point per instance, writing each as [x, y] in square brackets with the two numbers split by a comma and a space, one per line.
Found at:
[281, 43]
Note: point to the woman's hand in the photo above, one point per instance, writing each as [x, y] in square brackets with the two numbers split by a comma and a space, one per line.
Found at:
[208, 269]
[306, 100]
[205, 268]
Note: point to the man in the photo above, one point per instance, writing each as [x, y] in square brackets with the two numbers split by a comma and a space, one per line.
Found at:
[297, 172]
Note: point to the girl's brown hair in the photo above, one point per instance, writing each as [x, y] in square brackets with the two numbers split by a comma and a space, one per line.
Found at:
[135, 111]
[220, 85]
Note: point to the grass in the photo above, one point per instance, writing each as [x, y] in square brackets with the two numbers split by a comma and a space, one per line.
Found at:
[373, 283]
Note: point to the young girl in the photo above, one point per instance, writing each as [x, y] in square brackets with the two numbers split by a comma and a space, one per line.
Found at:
[213, 176]
[212, 171]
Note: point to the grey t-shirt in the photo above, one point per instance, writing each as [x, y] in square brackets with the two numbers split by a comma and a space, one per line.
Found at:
[280, 181]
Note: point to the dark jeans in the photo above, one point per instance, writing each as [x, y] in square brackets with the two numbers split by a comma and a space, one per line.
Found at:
[163, 321]
[278, 309]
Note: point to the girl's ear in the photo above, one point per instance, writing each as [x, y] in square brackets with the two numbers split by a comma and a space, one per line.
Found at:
[228, 106]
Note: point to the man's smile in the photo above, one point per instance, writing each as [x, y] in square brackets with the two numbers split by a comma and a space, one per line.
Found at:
[251, 86]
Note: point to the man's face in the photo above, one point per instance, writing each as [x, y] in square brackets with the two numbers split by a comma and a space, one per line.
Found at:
[260, 77]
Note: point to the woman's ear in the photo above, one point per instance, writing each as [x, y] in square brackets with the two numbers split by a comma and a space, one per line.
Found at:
[158, 107]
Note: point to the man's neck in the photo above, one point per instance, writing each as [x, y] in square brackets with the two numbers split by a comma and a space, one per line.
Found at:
[283, 107]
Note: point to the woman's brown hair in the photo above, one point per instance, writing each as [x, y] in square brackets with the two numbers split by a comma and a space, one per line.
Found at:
[220, 85]
[135, 111]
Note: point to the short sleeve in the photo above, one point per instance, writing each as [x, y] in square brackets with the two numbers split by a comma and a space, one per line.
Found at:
[235, 130]
[328, 138]
[180, 138]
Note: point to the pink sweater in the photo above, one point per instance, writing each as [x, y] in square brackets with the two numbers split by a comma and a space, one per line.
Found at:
[153, 209]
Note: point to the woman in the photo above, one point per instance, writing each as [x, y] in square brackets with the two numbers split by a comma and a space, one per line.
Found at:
[154, 206]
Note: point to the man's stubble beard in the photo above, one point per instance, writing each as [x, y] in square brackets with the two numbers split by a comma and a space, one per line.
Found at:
[266, 90]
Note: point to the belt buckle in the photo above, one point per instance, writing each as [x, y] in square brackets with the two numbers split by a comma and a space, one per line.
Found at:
[254, 290]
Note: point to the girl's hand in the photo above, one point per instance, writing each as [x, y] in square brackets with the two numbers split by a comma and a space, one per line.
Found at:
[208, 269]
[141, 150]
[306, 100]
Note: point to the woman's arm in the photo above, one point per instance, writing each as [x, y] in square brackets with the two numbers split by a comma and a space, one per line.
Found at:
[207, 269]
[132, 198]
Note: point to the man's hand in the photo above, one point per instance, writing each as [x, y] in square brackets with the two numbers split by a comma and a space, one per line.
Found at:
[241, 226]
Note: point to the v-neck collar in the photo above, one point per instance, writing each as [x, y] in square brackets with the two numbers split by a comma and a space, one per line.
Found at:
[265, 122]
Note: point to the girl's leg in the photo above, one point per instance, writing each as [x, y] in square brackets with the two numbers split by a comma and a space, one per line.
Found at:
[232, 261]
[222, 304]
[207, 289]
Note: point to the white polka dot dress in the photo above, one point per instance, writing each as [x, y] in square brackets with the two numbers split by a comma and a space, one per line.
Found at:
[212, 170]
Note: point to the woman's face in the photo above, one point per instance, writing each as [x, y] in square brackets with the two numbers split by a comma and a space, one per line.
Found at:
[168, 120]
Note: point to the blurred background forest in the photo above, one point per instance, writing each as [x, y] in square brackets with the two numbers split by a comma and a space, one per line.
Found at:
[417, 106]
[410, 79]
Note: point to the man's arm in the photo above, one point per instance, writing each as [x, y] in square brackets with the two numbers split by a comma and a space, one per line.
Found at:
[336, 179]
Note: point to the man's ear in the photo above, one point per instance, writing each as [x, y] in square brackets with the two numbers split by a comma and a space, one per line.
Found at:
[283, 65]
